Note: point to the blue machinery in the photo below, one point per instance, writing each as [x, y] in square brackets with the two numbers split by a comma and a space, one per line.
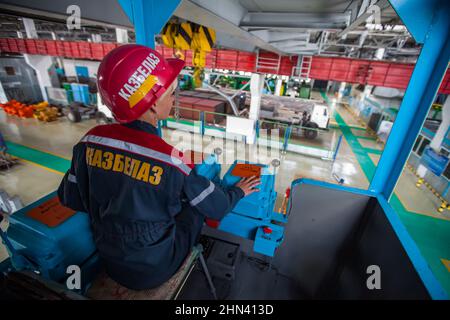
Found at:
[428, 23]
[253, 217]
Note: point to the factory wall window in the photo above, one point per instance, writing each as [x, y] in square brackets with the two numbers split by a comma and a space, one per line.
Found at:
[417, 143]
[10, 71]
[422, 146]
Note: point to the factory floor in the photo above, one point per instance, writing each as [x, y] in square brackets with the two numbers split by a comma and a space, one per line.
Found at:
[45, 150]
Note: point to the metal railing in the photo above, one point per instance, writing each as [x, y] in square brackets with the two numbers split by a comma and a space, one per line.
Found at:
[316, 142]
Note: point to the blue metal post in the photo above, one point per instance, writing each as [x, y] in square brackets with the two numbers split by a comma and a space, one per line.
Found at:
[287, 134]
[337, 148]
[257, 129]
[429, 24]
[148, 17]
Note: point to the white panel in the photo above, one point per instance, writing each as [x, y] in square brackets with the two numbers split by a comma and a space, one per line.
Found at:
[69, 67]
[241, 126]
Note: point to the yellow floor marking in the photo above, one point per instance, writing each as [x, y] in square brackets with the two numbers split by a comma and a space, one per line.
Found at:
[431, 215]
[428, 214]
[38, 165]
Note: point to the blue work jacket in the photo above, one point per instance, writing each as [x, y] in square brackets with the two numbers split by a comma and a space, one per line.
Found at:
[146, 202]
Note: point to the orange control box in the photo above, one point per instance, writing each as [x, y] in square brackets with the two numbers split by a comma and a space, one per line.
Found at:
[245, 170]
[51, 213]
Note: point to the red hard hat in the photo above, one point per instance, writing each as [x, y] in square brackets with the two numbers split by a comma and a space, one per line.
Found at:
[132, 77]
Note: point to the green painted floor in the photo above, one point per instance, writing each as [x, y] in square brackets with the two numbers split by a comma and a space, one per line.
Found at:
[431, 235]
[38, 157]
[360, 152]
[365, 138]
[374, 151]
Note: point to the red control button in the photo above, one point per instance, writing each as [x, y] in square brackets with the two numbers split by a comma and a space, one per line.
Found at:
[267, 230]
[212, 223]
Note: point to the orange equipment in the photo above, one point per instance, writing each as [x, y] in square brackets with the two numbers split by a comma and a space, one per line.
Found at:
[41, 111]
[16, 108]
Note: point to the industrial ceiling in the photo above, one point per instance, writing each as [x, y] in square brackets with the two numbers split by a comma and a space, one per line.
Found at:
[290, 27]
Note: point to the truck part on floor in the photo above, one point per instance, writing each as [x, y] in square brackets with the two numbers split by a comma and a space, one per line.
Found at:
[79, 111]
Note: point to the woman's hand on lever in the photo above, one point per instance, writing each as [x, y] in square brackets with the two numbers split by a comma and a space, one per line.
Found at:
[248, 184]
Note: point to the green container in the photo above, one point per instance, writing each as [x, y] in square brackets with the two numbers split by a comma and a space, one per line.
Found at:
[69, 91]
[305, 92]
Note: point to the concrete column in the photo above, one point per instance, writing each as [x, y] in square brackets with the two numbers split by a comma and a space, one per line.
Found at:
[341, 90]
[30, 28]
[443, 127]
[206, 80]
[367, 91]
[365, 94]
[362, 96]
[41, 64]
[278, 87]
[121, 35]
[256, 88]
[3, 98]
